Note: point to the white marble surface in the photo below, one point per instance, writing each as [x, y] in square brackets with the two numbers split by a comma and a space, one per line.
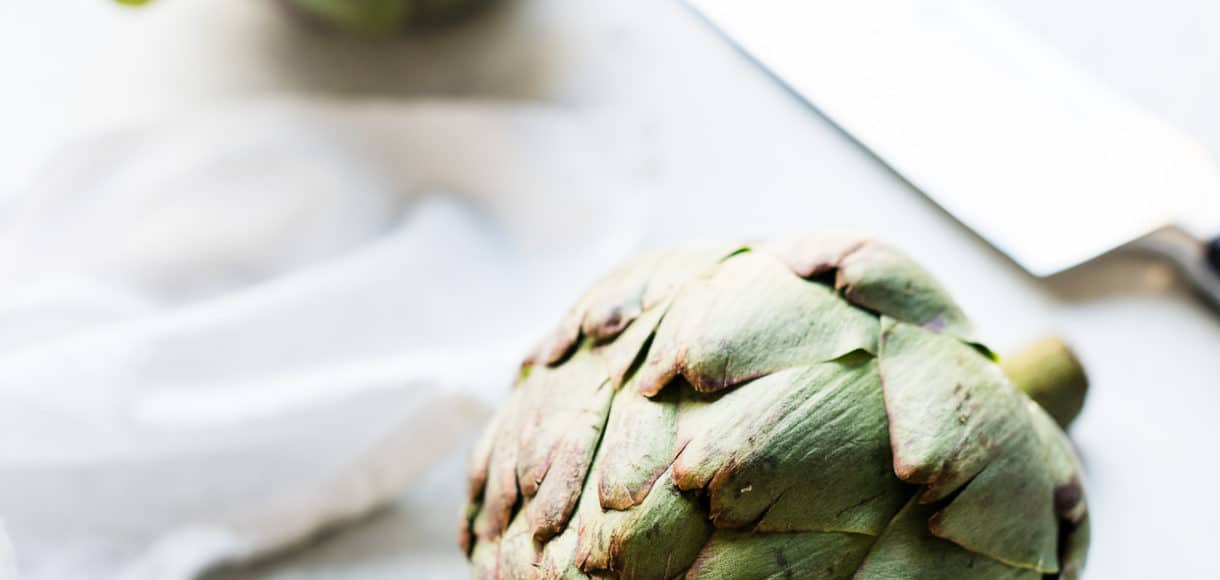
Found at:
[736, 155]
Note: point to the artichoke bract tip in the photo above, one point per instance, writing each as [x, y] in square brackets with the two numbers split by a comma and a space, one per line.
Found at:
[816, 408]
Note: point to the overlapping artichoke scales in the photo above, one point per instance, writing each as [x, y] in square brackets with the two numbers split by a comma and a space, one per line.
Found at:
[807, 408]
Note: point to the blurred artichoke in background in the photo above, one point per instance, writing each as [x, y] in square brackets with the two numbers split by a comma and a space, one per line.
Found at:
[814, 409]
[371, 17]
[379, 17]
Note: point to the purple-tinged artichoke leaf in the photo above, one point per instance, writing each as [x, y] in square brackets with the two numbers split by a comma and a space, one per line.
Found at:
[722, 330]
[623, 353]
[657, 539]
[618, 299]
[559, 437]
[480, 457]
[562, 341]
[557, 400]
[637, 448]
[560, 490]
[813, 256]
[878, 277]
[643, 284]
[500, 493]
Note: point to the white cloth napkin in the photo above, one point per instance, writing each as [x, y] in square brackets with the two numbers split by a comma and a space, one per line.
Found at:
[8, 566]
[221, 334]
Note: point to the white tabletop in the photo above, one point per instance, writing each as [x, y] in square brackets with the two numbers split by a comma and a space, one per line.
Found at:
[742, 156]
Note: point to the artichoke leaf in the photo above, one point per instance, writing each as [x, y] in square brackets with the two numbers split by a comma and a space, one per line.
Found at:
[558, 560]
[657, 539]
[736, 555]
[1075, 550]
[802, 449]
[1006, 512]
[637, 448]
[907, 551]
[480, 456]
[517, 548]
[625, 351]
[956, 421]
[485, 560]
[560, 556]
[625, 294]
[1065, 469]
[878, 277]
[813, 256]
[558, 438]
[500, 492]
[554, 398]
[722, 329]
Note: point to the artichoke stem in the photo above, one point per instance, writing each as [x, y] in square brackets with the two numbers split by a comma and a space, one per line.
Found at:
[1049, 372]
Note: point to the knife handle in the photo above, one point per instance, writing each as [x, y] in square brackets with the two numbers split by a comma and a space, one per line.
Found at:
[1213, 254]
[1197, 260]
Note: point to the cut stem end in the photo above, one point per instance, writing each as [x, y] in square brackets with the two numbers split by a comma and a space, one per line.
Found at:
[1049, 372]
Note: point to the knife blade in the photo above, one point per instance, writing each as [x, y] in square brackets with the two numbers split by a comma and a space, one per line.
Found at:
[1045, 163]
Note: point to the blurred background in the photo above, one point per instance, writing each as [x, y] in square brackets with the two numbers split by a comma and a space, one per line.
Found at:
[266, 276]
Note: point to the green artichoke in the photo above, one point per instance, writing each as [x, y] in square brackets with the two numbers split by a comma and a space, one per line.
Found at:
[380, 16]
[808, 409]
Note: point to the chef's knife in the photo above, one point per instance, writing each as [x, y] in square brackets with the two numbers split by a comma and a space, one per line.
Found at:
[996, 127]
